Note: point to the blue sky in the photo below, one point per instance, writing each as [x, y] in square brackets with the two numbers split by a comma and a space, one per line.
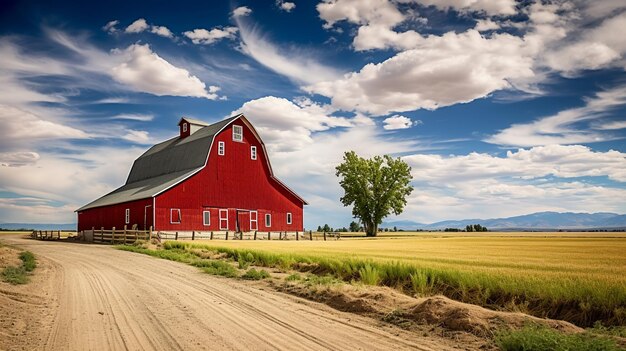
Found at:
[501, 107]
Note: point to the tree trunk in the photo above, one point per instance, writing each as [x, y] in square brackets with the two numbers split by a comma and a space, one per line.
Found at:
[371, 229]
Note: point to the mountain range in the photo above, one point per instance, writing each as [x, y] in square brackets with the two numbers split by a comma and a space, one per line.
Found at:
[38, 226]
[533, 221]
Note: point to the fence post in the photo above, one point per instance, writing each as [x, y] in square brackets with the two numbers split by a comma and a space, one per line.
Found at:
[227, 235]
[297, 236]
[211, 237]
[125, 227]
[59, 234]
[150, 234]
[311, 235]
[101, 234]
[324, 235]
[193, 235]
[269, 235]
[113, 236]
[255, 235]
[176, 237]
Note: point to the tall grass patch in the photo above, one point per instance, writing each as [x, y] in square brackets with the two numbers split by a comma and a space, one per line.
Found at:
[540, 338]
[20, 275]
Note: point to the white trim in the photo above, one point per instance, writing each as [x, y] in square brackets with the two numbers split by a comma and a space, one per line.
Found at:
[237, 126]
[255, 220]
[268, 220]
[289, 218]
[204, 213]
[127, 216]
[221, 148]
[253, 152]
[172, 217]
[223, 210]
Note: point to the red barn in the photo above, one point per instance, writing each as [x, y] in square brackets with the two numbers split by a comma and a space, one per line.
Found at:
[214, 177]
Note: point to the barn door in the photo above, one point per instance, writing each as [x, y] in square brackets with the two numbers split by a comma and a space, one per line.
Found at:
[243, 221]
[147, 217]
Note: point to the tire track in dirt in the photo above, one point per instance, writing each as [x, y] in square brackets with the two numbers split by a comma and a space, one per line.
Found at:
[110, 299]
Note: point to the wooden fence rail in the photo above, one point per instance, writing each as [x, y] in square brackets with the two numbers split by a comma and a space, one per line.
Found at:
[255, 235]
[115, 236]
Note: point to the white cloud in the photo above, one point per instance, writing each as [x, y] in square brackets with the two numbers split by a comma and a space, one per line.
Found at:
[138, 137]
[561, 128]
[537, 162]
[399, 122]
[138, 26]
[613, 125]
[111, 26]
[135, 117]
[446, 70]
[206, 37]
[484, 25]
[162, 31]
[242, 11]
[285, 5]
[16, 159]
[288, 125]
[145, 71]
[17, 124]
[380, 12]
[490, 7]
[293, 63]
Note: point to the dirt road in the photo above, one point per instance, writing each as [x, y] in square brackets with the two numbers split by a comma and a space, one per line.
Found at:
[99, 298]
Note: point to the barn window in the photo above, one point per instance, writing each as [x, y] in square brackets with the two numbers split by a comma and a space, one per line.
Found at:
[254, 216]
[206, 218]
[288, 217]
[127, 217]
[184, 127]
[237, 133]
[268, 220]
[253, 152]
[220, 148]
[174, 215]
[223, 219]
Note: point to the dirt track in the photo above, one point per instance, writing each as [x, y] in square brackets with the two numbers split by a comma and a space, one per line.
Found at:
[99, 298]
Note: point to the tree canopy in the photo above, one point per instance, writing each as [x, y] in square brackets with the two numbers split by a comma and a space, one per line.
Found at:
[375, 188]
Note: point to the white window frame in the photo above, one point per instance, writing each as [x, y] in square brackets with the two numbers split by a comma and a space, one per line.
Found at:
[255, 220]
[221, 148]
[289, 218]
[184, 127]
[180, 216]
[253, 152]
[237, 136]
[268, 220]
[127, 216]
[222, 210]
[204, 218]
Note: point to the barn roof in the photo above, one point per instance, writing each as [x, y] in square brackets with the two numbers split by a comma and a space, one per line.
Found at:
[166, 164]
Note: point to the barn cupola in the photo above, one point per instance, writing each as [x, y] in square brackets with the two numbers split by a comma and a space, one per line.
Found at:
[189, 126]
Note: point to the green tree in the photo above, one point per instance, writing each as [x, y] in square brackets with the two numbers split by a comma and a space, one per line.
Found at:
[326, 228]
[354, 226]
[374, 187]
[469, 228]
[319, 228]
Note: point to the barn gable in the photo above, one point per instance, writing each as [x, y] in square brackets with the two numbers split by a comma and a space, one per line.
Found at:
[169, 163]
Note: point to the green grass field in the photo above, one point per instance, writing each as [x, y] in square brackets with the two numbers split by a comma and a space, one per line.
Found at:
[579, 277]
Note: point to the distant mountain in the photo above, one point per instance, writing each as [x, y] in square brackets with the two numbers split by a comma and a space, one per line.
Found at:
[38, 226]
[538, 220]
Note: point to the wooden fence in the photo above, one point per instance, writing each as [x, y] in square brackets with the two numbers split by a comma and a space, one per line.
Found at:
[46, 234]
[256, 235]
[115, 236]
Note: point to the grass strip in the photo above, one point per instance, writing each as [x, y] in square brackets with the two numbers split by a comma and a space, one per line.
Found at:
[540, 338]
[19, 275]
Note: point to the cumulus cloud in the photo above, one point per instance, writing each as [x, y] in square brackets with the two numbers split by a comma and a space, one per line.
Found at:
[242, 11]
[138, 26]
[206, 37]
[399, 122]
[562, 128]
[289, 125]
[295, 64]
[285, 5]
[553, 160]
[145, 71]
[162, 31]
[490, 7]
[445, 70]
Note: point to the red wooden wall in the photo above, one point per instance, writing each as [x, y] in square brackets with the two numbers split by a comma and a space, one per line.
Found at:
[233, 181]
[115, 215]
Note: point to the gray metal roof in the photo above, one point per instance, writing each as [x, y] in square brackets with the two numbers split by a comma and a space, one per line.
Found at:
[163, 165]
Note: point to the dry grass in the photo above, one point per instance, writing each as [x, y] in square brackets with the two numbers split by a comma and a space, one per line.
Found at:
[573, 276]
